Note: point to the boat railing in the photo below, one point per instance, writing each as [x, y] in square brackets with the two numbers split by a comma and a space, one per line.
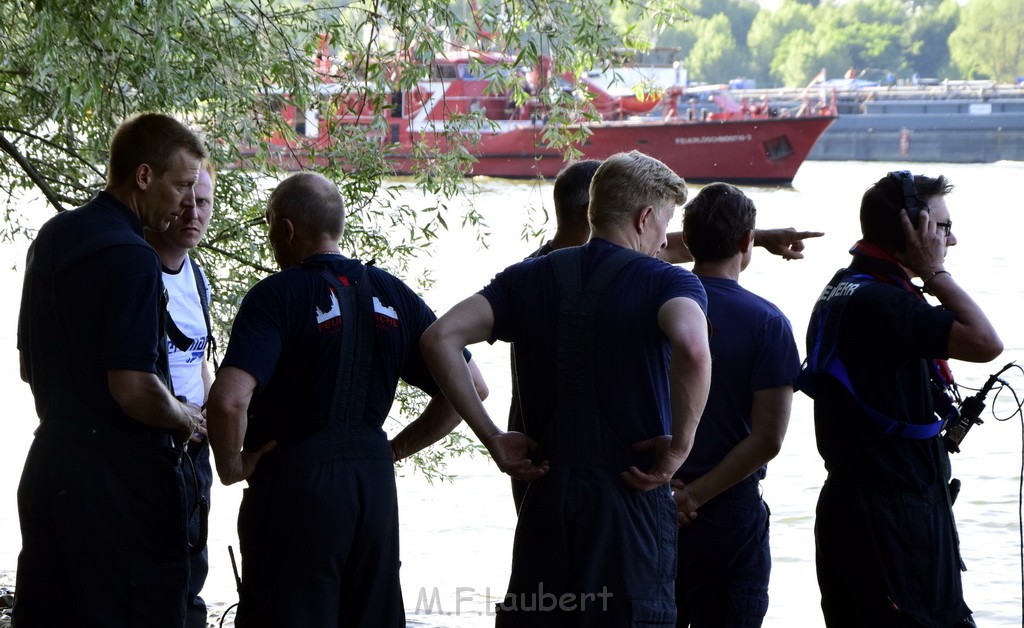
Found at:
[849, 100]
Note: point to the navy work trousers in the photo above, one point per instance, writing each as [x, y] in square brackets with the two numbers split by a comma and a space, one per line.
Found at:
[103, 531]
[319, 547]
[591, 552]
[887, 557]
[725, 562]
[198, 475]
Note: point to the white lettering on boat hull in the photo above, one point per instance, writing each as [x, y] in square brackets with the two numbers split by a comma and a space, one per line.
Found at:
[714, 139]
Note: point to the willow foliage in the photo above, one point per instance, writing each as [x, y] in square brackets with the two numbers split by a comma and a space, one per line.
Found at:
[70, 71]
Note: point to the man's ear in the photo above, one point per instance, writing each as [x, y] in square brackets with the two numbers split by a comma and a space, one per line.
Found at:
[747, 242]
[143, 176]
[641, 217]
[288, 228]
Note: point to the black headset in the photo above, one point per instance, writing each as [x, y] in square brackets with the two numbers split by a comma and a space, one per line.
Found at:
[905, 180]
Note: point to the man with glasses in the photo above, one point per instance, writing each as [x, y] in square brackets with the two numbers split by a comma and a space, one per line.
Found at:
[887, 547]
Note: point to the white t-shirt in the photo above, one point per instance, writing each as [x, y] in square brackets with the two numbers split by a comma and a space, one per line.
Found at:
[187, 313]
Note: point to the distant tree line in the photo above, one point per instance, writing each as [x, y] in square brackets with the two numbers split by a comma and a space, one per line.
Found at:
[880, 39]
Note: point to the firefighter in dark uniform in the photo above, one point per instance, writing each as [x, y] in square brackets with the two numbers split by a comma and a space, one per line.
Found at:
[103, 525]
[611, 349]
[887, 546]
[297, 409]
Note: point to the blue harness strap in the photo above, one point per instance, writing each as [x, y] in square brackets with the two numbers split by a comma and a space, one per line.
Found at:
[822, 358]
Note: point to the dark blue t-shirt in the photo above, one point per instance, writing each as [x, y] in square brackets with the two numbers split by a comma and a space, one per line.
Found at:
[752, 349]
[633, 353]
[91, 303]
[288, 336]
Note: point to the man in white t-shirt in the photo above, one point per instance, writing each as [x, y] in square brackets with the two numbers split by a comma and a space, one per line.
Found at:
[188, 336]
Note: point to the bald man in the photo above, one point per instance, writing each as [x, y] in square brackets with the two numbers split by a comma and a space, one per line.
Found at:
[297, 408]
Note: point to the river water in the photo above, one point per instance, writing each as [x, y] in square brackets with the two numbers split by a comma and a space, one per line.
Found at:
[457, 535]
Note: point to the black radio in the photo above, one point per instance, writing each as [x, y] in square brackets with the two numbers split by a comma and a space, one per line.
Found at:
[970, 414]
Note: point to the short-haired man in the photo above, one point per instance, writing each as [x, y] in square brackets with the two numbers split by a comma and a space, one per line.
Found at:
[100, 498]
[188, 340]
[611, 346]
[887, 547]
[571, 196]
[307, 381]
[724, 558]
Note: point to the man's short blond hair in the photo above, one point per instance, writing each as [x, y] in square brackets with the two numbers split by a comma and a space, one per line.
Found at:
[627, 182]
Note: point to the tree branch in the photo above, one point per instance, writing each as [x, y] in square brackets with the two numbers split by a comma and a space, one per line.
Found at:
[33, 174]
[64, 148]
[229, 234]
[248, 262]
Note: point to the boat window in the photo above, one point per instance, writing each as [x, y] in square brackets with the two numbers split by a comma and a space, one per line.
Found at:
[777, 148]
[396, 108]
[444, 71]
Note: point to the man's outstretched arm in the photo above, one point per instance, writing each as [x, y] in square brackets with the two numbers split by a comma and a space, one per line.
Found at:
[787, 243]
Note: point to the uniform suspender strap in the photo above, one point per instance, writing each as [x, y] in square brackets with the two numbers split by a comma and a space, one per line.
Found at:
[92, 244]
[177, 337]
[356, 303]
[581, 433]
[45, 314]
[211, 342]
[345, 433]
[163, 365]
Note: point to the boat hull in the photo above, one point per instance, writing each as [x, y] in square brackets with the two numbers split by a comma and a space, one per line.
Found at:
[766, 151]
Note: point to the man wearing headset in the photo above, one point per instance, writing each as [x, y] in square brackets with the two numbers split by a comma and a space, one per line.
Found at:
[887, 547]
